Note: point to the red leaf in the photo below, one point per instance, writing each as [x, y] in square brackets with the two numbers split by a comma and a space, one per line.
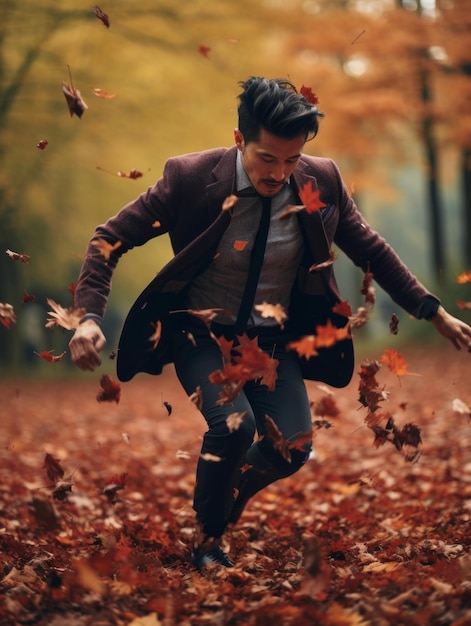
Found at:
[49, 357]
[309, 95]
[27, 297]
[42, 144]
[204, 50]
[110, 390]
[343, 308]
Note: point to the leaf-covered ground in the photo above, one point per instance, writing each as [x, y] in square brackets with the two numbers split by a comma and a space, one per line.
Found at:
[359, 536]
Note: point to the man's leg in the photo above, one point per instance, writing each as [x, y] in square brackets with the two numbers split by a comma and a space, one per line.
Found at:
[288, 406]
[195, 359]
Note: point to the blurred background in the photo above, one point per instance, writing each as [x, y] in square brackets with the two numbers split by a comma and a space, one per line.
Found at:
[161, 78]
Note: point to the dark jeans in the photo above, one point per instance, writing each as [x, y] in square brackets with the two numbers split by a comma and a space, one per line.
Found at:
[224, 487]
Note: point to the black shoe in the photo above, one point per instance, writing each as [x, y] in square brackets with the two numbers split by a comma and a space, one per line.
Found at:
[216, 555]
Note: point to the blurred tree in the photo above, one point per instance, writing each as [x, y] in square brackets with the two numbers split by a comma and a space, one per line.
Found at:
[392, 67]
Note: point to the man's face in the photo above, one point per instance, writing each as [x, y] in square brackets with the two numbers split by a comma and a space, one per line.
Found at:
[270, 161]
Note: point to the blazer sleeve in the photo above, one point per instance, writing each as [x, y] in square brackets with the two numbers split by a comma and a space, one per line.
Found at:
[349, 230]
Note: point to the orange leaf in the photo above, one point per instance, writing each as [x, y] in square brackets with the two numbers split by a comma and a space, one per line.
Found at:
[155, 337]
[395, 362]
[463, 278]
[276, 311]
[105, 248]
[306, 346]
[240, 245]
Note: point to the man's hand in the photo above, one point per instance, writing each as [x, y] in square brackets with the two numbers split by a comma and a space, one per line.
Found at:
[458, 332]
[86, 344]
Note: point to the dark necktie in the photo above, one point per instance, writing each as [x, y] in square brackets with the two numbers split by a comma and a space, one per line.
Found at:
[256, 262]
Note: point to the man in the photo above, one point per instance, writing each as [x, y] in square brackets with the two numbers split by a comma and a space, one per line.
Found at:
[223, 208]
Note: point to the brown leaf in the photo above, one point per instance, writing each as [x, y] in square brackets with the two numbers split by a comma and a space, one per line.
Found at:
[17, 256]
[68, 318]
[7, 314]
[105, 248]
[53, 468]
[110, 390]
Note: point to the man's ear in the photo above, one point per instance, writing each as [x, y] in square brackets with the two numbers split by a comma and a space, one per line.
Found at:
[239, 139]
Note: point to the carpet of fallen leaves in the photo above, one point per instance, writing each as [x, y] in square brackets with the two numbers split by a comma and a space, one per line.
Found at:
[360, 536]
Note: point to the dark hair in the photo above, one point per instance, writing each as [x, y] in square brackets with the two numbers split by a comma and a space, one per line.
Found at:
[276, 106]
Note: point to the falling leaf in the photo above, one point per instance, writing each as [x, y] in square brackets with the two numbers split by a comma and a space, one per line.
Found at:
[234, 420]
[226, 346]
[305, 347]
[328, 335]
[291, 209]
[27, 297]
[75, 102]
[393, 324]
[395, 362]
[204, 50]
[197, 398]
[463, 278]
[371, 394]
[133, 174]
[110, 390]
[240, 245]
[275, 311]
[156, 224]
[101, 93]
[461, 407]
[61, 489]
[461, 304]
[360, 317]
[113, 485]
[7, 314]
[16, 256]
[367, 289]
[311, 198]
[48, 356]
[104, 247]
[68, 318]
[279, 442]
[205, 315]
[42, 144]
[102, 16]
[309, 95]
[229, 202]
[168, 406]
[326, 406]
[155, 337]
[207, 456]
[316, 267]
[53, 468]
[342, 308]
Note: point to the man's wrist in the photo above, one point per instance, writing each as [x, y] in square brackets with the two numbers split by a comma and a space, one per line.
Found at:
[92, 316]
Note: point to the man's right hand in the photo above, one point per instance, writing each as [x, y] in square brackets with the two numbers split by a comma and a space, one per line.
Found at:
[86, 344]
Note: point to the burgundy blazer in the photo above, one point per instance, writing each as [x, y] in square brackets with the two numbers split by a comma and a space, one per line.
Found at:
[186, 202]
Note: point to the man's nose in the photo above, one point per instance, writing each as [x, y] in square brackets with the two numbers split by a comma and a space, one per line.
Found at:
[278, 172]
